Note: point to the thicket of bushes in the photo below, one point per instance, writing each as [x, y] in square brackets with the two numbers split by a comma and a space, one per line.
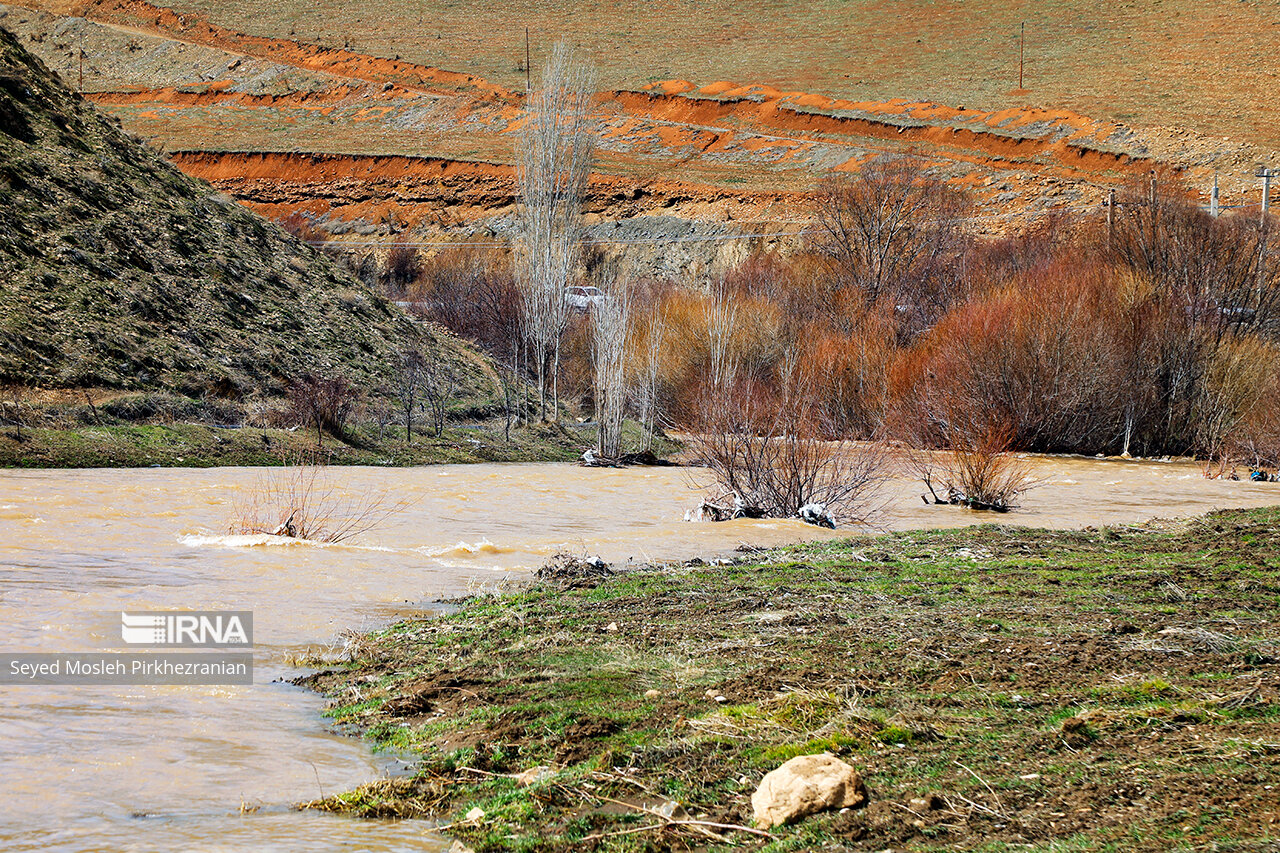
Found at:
[1154, 336]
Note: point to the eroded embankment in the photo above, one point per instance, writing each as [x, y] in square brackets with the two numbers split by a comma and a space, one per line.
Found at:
[221, 94]
[351, 186]
[1047, 137]
[197, 29]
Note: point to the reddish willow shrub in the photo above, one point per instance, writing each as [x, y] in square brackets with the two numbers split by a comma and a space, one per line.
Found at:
[1069, 337]
[1037, 359]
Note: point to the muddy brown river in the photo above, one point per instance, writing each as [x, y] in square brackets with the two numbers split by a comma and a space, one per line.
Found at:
[215, 768]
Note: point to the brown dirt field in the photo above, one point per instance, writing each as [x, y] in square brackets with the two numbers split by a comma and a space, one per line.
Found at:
[843, 84]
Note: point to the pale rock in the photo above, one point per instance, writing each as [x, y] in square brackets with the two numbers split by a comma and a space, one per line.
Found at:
[805, 785]
[475, 814]
[459, 847]
[671, 810]
[534, 775]
[653, 694]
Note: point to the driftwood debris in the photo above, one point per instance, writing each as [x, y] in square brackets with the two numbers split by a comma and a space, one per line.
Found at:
[287, 528]
[731, 505]
[956, 498]
[570, 572]
[643, 458]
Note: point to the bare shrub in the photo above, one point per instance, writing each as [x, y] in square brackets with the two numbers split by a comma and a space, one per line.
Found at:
[323, 402]
[610, 332]
[303, 227]
[774, 452]
[854, 374]
[403, 267]
[1238, 421]
[956, 442]
[472, 293]
[301, 501]
[977, 470]
[1038, 359]
[1217, 270]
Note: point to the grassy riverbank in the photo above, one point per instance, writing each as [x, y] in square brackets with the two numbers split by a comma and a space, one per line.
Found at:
[202, 446]
[1110, 689]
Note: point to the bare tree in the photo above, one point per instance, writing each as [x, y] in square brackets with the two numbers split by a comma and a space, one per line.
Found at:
[438, 387]
[645, 385]
[13, 398]
[409, 380]
[721, 318]
[381, 411]
[610, 328]
[889, 229]
[323, 402]
[553, 160]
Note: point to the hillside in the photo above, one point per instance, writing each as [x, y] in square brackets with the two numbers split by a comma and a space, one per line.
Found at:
[119, 271]
[396, 123]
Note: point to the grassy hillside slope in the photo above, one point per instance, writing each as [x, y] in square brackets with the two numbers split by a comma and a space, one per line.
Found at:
[118, 271]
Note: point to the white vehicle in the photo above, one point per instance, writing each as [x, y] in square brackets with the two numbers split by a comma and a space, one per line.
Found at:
[582, 298]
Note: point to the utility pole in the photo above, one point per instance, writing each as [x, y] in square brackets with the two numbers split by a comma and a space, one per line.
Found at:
[1265, 174]
[1111, 217]
[1154, 211]
[1022, 51]
[528, 85]
[1213, 198]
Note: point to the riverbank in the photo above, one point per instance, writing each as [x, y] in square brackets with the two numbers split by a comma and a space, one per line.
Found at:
[1113, 688]
[194, 445]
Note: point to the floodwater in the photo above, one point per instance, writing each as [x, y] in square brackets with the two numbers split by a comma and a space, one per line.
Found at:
[216, 768]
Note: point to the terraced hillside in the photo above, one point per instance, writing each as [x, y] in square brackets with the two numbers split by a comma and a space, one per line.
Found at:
[410, 108]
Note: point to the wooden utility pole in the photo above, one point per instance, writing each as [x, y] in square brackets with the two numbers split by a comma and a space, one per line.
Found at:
[528, 85]
[1153, 202]
[1111, 217]
[1022, 51]
[1265, 174]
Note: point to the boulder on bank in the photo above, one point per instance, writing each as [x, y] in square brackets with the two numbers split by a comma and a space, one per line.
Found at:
[805, 785]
